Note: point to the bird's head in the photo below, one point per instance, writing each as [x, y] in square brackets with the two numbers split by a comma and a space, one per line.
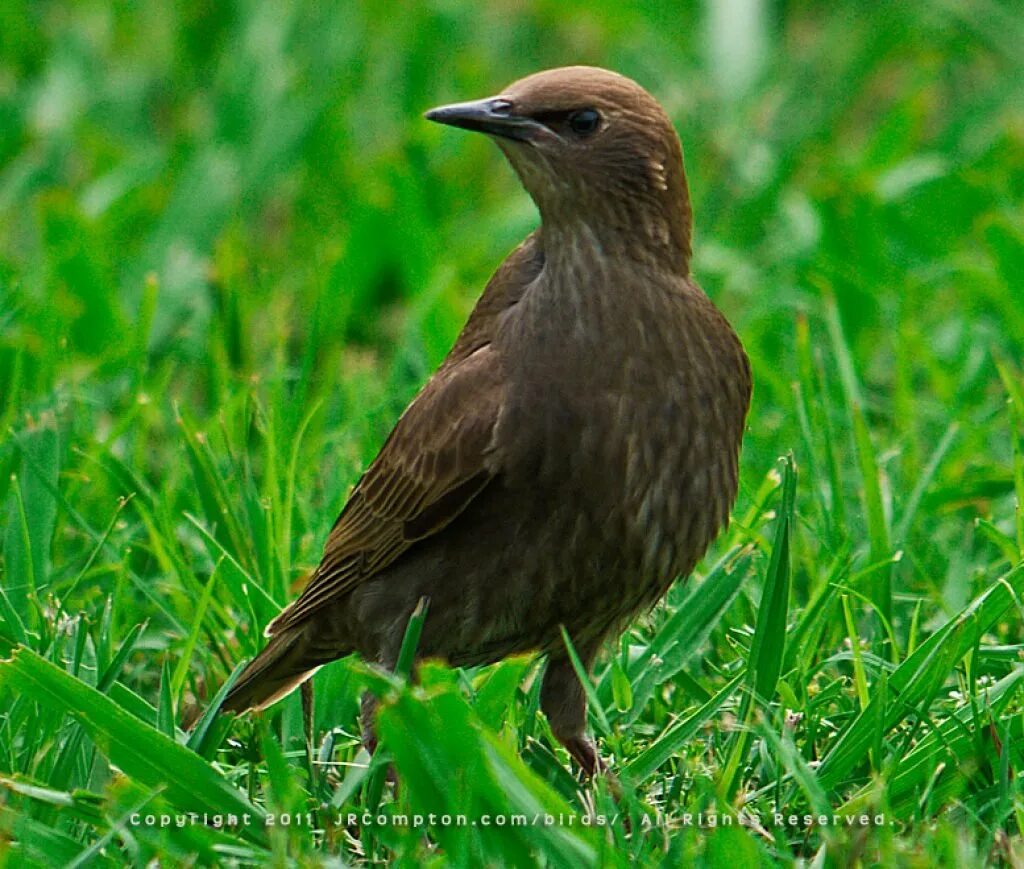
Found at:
[598, 155]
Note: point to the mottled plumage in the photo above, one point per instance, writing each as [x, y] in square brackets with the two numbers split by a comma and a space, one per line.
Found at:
[575, 452]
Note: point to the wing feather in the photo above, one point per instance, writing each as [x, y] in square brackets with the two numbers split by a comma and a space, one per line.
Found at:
[439, 456]
[437, 459]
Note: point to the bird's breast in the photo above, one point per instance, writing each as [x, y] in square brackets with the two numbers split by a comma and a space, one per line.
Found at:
[637, 418]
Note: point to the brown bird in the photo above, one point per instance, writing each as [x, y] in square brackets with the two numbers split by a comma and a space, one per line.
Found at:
[575, 452]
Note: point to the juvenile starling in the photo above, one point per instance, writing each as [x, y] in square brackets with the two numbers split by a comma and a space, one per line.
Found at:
[575, 452]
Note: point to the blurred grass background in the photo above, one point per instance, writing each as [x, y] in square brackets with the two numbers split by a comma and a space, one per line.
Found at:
[230, 252]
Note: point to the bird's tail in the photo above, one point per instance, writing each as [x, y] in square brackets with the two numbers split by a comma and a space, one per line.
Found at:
[288, 660]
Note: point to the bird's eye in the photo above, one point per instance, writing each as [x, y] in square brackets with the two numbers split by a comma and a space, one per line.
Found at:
[584, 122]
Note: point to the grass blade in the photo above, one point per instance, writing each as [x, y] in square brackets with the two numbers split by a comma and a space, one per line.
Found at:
[917, 679]
[768, 647]
[141, 752]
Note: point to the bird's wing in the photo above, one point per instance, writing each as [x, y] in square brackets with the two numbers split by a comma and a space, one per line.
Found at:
[437, 458]
[435, 461]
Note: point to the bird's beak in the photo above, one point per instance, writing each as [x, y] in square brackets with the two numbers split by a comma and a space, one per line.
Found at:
[493, 115]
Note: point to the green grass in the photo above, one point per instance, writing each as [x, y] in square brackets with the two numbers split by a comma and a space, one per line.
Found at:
[231, 250]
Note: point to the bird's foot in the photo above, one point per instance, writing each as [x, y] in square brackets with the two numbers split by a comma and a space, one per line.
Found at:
[584, 752]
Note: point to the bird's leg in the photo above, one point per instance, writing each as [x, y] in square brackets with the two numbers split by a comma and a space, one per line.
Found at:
[369, 703]
[565, 705]
[367, 712]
